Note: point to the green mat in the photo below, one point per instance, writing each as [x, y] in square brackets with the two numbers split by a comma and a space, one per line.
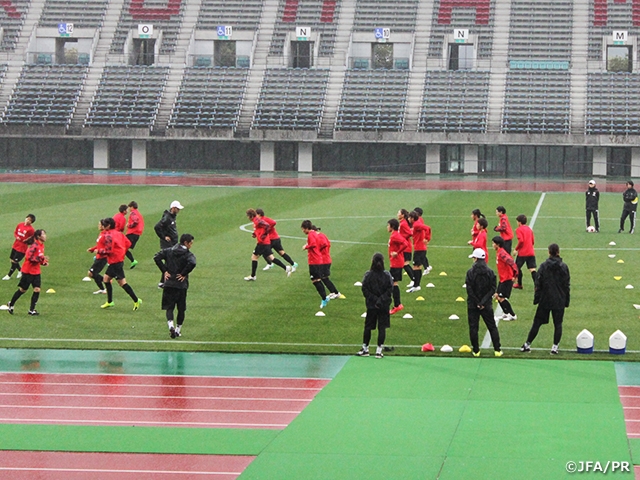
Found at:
[438, 418]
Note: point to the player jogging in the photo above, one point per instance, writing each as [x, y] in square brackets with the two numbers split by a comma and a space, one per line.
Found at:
[114, 246]
[476, 215]
[314, 259]
[99, 262]
[34, 258]
[120, 218]
[135, 227]
[504, 228]
[507, 271]
[398, 245]
[421, 239]
[325, 250]
[480, 240]
[525, 250]
[22, 234]
[276, 242]
[176, 263]
[405, 231]
[263, 247]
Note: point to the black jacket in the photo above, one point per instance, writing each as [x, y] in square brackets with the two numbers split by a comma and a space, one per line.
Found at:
[481, 285]
[593, 196]
[553, 284]
[176, 260]
[166, 227]
[630, 197]
[377, 288]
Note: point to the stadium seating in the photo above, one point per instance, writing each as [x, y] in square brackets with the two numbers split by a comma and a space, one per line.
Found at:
[292, 99]
[373, 100]
[455, 101]
[11, 19]
[606, 17]
[399, 16]
[240, 14]
[127, 97]
[537, 102]
[209, 98]
[613, 106]
[45, 95]
[82, 13]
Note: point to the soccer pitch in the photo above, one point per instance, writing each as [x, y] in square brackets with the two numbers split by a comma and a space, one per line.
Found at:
[276, 313]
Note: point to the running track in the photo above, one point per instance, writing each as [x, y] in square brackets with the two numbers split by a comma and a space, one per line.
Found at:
[630, 398]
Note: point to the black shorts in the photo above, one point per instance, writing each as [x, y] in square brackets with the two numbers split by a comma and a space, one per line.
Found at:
[116, 271]
[172, 297]
[407, 257]
[276, 245]
[133, 238]
[504, 289]
[507, 245]
[98, 265]
[326, 270]
[377, 318]
[16, 256]
[396, 274]
[530, 261]
[315, 272]
[28, 280]
[262, 250]
[420, 258]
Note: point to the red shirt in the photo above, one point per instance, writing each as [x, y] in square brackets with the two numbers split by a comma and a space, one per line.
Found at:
[273, 235]
[115, 246]
[121, 221]
[261, 231]
[421, 232]
[135, 226]
[405, 230]
[398, 244]
[22, 233]
[526, 241]
[325, 248]
[480, 241]
[504, 228]
[313, 248]
[99, 246]
[33, 259]
[507, 268]
[475, 230]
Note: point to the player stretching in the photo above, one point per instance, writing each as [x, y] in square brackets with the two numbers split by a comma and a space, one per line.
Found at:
[276, 242]
[22, 234]
[34, 258]
[114, 246]
[398, 245]
[263, 247]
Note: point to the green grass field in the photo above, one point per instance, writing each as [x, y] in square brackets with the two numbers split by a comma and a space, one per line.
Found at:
[276, 313]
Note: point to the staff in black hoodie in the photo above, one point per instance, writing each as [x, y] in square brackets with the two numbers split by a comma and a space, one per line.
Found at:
[377, 287]
[630, 197]
[176, 263]
[552, 296]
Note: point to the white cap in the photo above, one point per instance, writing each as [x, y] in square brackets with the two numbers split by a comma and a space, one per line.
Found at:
[592, 182]
[478, 253]
[176, 204]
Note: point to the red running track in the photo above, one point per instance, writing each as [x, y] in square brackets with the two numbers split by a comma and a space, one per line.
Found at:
[18, 465]
[154, 401]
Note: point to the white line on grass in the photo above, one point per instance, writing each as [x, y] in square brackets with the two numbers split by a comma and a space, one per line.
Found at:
[537, 211]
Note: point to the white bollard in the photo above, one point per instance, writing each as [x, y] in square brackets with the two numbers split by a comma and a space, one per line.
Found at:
[584, 341]
[617, 343]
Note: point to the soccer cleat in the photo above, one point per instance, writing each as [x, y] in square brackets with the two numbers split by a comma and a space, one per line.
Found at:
[414, 289]
[410, 284]
[19, 275]
[396, 309]
[554, 350]
[509, 318]
[333, 296]
[268, 267]
[363, 353]
[620, 231]
[294, 267]
[476, 354]
[161, 285]
[428, 269]
[525, 348]
[288, 270]
[388, 349]
[518, 286]
[107, 305]
[250, 279]
[172, 332]
[324, 302]
[33, 313]
[6, 277]
[133, 264]
[98, 292]
[498, 353]
[136, 305]
[10, 309]
[631, 231]
[379, 355]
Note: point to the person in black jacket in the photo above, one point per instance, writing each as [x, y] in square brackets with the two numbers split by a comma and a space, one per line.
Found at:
[176, 263]
[377, 286]
[552, 296]
[481, 285]
[592, 199]
[166, 228]
[630, 197]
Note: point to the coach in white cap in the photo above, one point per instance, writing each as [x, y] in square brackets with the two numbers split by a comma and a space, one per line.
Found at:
[166, 228]
[481, 285]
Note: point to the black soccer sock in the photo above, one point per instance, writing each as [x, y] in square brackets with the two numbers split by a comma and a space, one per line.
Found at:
[14, 267]
[287, 258]
[266, 259]
[519, 282]
[16, 296]
[320, 288]
[366, 337]
[99, 280]
[534, 276]
[417, 277]
[332, 288]
[109, 288]
[34, 299]
[254, 267]
[409, 270]
[279, 263]
[127, 288]
[169, 315]
[130, 255]
[396, 295]
[507, 308]
[382, 335]
[180, 318]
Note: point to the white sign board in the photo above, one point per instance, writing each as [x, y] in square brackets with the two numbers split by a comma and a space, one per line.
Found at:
[303, 32]
[145, 30]
[619, 37]
[382, 33]
[461, 35]
[65, 29]
[224, 30]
